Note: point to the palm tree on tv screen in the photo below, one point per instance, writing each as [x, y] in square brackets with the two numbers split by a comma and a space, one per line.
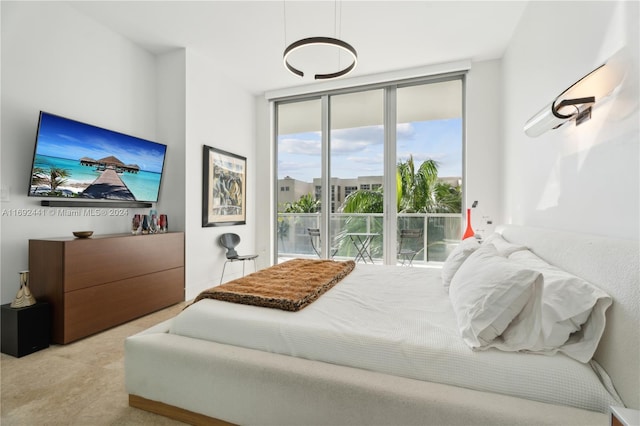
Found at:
[57, 177]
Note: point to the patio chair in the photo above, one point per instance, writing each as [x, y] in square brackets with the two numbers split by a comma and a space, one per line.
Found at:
[316, 242]
[229, 241]
[406, 250]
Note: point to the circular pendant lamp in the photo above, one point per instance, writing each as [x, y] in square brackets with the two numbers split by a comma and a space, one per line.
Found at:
[321, 41]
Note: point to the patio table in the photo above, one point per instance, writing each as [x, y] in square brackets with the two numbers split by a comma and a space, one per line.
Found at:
[362, 242]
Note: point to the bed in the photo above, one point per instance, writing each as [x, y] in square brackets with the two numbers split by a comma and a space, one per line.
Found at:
[336, 362]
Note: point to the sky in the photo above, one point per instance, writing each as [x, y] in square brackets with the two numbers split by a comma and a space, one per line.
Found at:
[359, 151]
[63, 138]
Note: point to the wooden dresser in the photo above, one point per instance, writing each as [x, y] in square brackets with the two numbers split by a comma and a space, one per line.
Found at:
[96, 283]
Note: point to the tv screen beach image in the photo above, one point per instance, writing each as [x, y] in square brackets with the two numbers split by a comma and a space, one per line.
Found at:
[74, 159]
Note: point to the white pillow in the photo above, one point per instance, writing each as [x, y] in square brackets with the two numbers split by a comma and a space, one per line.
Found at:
[488, 292]
[504, 247]
[572, 314]
[456, 258]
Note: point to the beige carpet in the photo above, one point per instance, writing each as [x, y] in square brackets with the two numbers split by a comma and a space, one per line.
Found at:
[81, 383]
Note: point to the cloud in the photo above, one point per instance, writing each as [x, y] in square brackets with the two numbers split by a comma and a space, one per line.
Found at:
[346, 141]
[299, 146]
[419, 157]
[375, 159]
[405, 131]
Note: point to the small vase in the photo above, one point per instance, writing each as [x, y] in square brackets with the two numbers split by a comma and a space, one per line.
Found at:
[153, 225]
[135, 224]
[469, 231]
[145, 224]
[24, 296]
[164, 223]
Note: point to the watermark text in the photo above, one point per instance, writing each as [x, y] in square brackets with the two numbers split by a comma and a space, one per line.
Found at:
[58, 212]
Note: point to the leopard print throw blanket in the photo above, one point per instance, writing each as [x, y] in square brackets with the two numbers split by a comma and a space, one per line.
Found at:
[289, 286]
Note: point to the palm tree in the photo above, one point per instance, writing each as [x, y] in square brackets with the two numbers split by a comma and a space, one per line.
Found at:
[39, 176]
[418, 191]
[306, 204]
[416, 187]
[57, 177]
[363, 201]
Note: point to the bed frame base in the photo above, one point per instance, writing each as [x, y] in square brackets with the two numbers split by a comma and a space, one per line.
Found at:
[174, 413]
[247, 386]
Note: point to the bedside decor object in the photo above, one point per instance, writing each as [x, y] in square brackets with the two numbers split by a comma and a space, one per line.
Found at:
[82, 234]
[24, 296]
[224, 184]
[469, 231]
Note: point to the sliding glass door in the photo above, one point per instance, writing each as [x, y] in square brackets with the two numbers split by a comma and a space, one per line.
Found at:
[429, 164]
[299, 169]
[356, 164]
[360, 170]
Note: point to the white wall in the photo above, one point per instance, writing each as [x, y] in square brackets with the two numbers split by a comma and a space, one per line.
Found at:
[57, 60]
[483, 172]
[265, 183]
[171, 123]
[483, 151]
[574, 178]
[221, 115]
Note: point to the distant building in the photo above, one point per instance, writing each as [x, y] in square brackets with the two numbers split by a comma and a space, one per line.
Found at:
[290, 190]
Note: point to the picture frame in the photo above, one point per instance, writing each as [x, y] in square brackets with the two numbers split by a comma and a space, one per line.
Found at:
[224, 184]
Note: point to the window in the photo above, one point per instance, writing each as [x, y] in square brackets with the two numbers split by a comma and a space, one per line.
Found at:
[401, 142]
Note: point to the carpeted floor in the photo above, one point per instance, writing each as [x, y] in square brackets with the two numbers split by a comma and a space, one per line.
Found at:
[81, 383]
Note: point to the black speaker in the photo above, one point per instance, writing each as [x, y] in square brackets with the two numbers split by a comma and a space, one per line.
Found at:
[25, 330]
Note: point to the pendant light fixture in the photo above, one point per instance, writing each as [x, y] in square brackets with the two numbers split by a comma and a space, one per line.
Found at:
[319, 41]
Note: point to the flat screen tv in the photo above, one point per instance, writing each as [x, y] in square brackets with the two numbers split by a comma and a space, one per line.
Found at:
[77, 160]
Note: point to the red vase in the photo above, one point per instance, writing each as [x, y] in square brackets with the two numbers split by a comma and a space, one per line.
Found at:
[469, 231]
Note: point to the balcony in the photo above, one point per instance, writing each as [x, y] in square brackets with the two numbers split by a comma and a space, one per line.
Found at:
[441, 233]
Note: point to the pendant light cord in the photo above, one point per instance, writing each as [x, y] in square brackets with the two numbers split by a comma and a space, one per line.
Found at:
[337, 29]
[319, 41]
[284, 16]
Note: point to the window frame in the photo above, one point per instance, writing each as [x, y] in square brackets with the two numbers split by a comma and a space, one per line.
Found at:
[390, 143]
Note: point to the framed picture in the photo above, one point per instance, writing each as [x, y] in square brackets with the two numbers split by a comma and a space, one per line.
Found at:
[224, 183]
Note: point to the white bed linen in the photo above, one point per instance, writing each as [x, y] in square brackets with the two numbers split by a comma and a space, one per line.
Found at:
[398, 321]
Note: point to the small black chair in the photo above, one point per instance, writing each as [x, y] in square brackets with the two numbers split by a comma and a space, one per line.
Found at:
[314, 235]
[406, 251]
[229, 241]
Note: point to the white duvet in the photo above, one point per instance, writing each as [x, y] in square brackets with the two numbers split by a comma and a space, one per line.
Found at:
[396, 320]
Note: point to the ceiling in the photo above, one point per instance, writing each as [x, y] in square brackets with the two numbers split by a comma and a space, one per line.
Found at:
[247, 38]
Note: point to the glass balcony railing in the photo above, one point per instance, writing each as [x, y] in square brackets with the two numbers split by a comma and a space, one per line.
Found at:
[440, 234]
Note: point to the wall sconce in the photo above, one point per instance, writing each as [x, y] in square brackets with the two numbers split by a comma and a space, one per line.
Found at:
[575, 103]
